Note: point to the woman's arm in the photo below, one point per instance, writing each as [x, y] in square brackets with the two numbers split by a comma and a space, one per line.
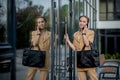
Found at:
[34, 40]
[88, 39]
[69, 42]
[85, 39]
[35, 37]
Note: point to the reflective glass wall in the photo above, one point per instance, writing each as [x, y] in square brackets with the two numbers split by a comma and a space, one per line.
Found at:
[62, 17]
[3, 21]
[26, 13]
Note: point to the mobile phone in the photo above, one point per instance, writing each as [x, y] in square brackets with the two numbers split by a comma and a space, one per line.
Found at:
[39, 29]
[83, 28]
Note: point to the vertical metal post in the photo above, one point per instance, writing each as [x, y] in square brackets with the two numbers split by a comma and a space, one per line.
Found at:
[106, 37]
[59, 34]
[56, 43]
[52, 38]
[90, 16]
[66, 28]
[70, 35]
[78, 8]
[14, 39]
[115, 44]
[84, 7]
[73, 24]
[12, 34]
[107, 1]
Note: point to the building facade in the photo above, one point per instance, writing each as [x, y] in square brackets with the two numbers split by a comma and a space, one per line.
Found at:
[109, 26]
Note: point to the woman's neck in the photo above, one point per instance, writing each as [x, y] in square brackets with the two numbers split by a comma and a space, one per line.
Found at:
[42, 30]
[80, 30]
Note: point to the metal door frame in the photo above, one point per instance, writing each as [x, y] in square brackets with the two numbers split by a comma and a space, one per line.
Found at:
[55, 23]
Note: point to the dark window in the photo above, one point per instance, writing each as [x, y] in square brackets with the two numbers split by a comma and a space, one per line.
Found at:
[109, 10]
[118, 44]
[117, 10]
[110, 45]
[110, 41]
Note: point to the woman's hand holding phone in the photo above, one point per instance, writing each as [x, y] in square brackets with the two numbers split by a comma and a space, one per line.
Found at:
[84, 29]
[38, 31]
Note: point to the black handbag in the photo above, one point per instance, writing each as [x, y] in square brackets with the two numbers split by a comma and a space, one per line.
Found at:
[87, 58]
[33, 58]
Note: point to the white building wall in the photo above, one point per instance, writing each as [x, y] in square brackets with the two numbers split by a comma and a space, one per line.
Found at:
[108, 25]
[97, 6]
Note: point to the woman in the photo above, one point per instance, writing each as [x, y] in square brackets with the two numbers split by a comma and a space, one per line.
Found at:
[40, 37]
[83, 37]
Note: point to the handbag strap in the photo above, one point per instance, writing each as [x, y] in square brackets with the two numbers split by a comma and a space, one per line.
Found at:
[90, 46]
[37, 44]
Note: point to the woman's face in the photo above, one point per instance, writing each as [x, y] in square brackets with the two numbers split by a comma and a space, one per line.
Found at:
[83, 22]
[40, 23]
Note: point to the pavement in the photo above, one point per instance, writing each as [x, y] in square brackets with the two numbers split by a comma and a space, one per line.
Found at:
[21, 70]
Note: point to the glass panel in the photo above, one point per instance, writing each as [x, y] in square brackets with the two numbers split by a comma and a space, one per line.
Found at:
[79, 8]
[102, 16]
[102, 6]
[110, 16]
[93, 2]
[110, 10]
[117, 5]
[110, 45]
[113, 9]
[88, 1]
[110, 6]
[102, 10]
[102, 44]
[117, 16]
[117, 10]
[118, 44]
[27, 11]
[3, 21]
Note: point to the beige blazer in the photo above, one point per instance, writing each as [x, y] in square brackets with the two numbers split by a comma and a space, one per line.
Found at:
[44, 44]
[78, 43]
[78, 39]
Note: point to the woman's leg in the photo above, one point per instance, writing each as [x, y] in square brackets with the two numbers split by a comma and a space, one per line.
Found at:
[81, 75]
[43, 74]
[92, 74]
[31, 73]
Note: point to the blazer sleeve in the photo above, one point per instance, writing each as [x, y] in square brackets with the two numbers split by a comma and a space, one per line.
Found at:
[91, 36]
